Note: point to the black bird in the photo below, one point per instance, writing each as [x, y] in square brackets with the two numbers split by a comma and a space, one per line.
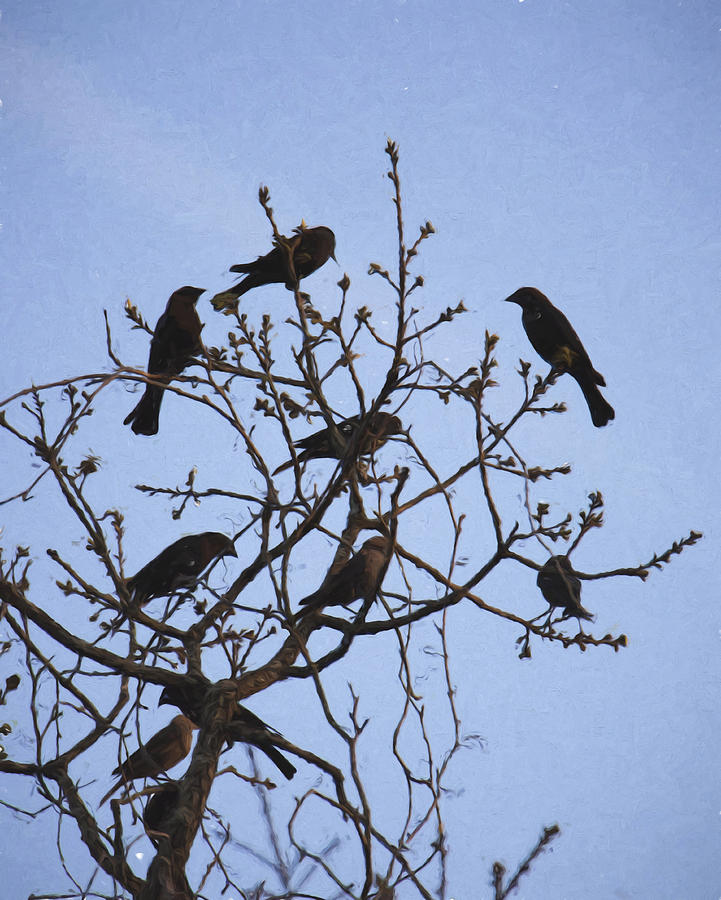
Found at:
[561, 588]
[554, 339]
[178, 566]
[311, 248]
[320, 444]
[245, 726]
[159, 808]
[359, 578]
[175, 341]
[165, 749]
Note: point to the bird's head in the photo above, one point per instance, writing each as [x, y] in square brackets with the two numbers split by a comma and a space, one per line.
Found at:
[348, 426]
[561, 563]
[186, 696]
[188, 294]
[169, 696]
[189, 700]
[385, 423]
[528, 298]
[329, 237]
[220, 545]
[320, 238]
[378, 542]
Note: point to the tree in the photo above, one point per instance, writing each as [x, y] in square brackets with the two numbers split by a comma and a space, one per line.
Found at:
[90, 691]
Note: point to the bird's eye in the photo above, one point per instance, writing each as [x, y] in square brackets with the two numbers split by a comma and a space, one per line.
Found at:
[346, 428]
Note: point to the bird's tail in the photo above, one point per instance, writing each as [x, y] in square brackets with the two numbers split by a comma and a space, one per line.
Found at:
[282, 468]
[251, 730]
[143, 419]
[601, 410]
[226, 299]
[248, 283]
[275, 756]
[303, 457]
[112, 790]
[243, 268]
[313, 599]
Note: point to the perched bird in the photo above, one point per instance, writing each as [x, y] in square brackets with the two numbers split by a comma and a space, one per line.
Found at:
[561, 588]
[165, 749]
[311, 248]
[176, 340]
[320, 444]
[178, 566]
[554, 339]
[359, 578]
[159, 809]
[245, 726]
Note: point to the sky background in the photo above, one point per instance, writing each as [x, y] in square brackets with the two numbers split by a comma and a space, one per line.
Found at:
[569, 145]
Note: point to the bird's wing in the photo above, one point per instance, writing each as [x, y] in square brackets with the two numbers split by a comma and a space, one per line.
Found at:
[320, 440]
[339, 588]
[571, 344]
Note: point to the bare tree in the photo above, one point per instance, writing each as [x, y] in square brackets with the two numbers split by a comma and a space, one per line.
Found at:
[87, 692]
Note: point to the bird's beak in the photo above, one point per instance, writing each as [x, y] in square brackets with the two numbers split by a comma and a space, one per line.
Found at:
[232, 552]
[163, 698]
[332, 256]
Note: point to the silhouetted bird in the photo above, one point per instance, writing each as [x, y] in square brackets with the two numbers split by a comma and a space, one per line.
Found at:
[165, 749]
[179, 566]
[561, 588]
[554, 339]
[320, 444]
[359, 578]
[159, 808]
[175, 341]
[245, 726]
[311, 248]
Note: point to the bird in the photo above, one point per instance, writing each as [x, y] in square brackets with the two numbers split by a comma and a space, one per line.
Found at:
[159, 808]
[359, 578]
[320, 444]
[311, 248]
[244, 726]
[178, 566]
[554, 339]
[165, 749]
[175, 341]
[247, 728]
[561, 588]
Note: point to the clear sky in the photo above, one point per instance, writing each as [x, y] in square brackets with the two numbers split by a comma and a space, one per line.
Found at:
[568, 145]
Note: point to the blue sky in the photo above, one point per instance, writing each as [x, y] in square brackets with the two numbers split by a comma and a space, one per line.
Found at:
[572, 146]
